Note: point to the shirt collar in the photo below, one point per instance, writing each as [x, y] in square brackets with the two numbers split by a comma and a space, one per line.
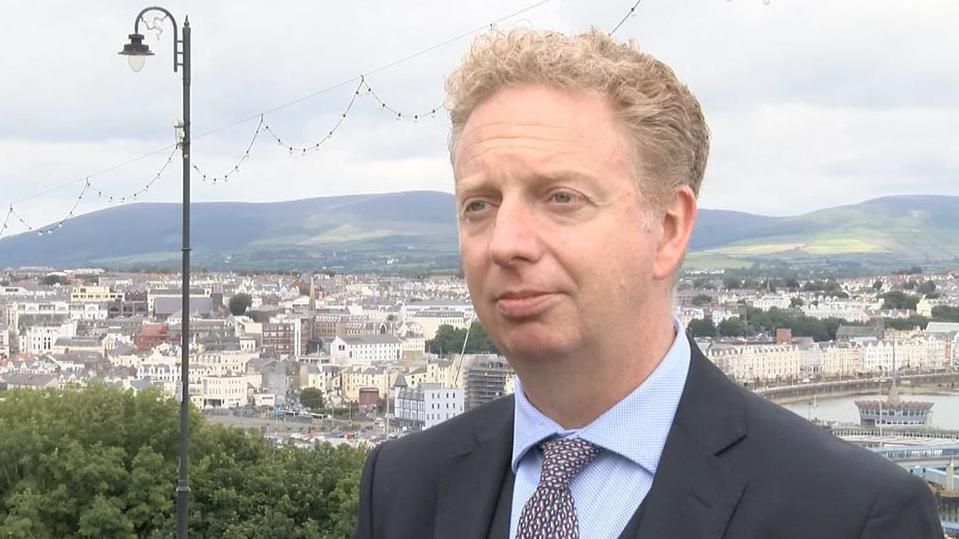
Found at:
[636, 427]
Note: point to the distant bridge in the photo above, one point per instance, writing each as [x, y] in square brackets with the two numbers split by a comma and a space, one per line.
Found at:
[936, 455]
[791, 392]
[867, 436]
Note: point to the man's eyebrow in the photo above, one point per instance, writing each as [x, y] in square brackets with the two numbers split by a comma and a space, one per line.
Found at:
[468, 185]
[478, 182]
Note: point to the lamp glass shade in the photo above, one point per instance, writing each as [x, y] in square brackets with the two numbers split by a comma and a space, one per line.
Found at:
[136, 61]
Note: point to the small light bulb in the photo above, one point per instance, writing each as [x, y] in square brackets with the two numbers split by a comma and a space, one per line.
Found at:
[136, 61]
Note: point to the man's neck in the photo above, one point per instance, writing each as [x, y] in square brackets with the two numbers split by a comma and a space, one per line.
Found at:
[577, 389]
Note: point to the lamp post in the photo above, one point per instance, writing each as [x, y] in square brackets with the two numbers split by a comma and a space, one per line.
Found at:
[136, 52]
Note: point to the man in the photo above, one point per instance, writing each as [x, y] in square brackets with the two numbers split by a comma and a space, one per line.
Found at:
[577, 163]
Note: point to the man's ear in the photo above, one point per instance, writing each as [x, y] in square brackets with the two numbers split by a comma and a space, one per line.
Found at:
[676, 226]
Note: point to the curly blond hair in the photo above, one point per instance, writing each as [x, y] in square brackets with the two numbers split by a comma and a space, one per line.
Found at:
[668, 133]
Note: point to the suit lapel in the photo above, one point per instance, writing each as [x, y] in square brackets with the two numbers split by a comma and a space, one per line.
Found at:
[695, 492]
[471, 482]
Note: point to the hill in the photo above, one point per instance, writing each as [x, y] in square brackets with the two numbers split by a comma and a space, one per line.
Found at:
[416, 231]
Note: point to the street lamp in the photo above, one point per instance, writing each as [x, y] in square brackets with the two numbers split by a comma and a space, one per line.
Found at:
[136, 52]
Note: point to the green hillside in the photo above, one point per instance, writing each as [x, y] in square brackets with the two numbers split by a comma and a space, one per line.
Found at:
[416, 231]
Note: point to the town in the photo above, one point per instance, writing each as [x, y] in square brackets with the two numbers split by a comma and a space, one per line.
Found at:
[398, 354]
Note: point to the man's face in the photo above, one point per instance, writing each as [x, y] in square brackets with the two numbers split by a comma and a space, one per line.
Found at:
[552, 229]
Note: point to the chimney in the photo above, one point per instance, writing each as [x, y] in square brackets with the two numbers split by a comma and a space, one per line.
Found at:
[783, 335]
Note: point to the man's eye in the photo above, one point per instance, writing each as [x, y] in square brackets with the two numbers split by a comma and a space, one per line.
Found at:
[562, 197]
[476, 205]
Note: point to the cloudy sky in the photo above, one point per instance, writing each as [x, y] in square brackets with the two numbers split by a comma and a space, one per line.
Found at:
[812, 103]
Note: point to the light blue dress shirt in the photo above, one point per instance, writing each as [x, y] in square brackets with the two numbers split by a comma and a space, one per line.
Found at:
[631, 434]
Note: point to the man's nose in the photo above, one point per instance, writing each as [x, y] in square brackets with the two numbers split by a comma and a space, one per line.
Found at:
[515, 236]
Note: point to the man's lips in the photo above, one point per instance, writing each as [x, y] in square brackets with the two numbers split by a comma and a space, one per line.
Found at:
[523, 303]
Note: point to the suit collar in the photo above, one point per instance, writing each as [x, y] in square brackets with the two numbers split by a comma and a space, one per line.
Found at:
[472, 479]
[695, 492]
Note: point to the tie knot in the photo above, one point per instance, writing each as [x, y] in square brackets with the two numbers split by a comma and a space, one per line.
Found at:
[563, 458]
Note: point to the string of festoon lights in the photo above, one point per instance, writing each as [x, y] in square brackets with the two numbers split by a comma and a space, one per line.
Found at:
[362, 88]
[630, 13]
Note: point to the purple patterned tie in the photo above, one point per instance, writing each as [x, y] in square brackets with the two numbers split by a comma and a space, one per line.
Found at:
[549, 513]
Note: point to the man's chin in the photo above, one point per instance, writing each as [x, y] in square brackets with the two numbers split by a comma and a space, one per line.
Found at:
[535, 348]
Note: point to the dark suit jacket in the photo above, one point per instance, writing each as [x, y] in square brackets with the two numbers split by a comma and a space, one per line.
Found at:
[734, 466]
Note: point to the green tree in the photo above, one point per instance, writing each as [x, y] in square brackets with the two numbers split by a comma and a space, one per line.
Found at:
[926, 288]
[796, 302]
[239, 303]
[449, 340]
[732, 327]
[312, 398]
[101, 462]
[704, 283]
[699, 327]
[831, 325]
[914, 321]
[730, 283]
[946, 312]
[877, 285]
[702, 299]
[898, 299]
[53, 279]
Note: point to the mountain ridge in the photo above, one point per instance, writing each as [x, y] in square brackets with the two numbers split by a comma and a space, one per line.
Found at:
[416, 231]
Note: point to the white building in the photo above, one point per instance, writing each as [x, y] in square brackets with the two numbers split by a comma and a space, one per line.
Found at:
[768, 301]
[89, 311]
[95, 294]
[224, 391]
[40, 339]
[840, 360]
[46, 311]
[428, 405]
[366, 348]
[4, 342]
[912, 354]
[846, 310]
[224, 363]
[430, 320]
[758, 363]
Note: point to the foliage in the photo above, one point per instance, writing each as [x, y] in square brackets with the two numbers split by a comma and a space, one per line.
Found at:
[733, 327]
[796, 302]
[730, 283]
[449, 340]
[312, 398]
[699, 327]
[102, 462]
[53, 279]
[705, 283]
[800, 324]
[914, 270]
[898, 299]
[946, 312]
[914, 321]
[702, 299]
[826, 288]
[926, 288]
[239, 303]
[877, 286]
